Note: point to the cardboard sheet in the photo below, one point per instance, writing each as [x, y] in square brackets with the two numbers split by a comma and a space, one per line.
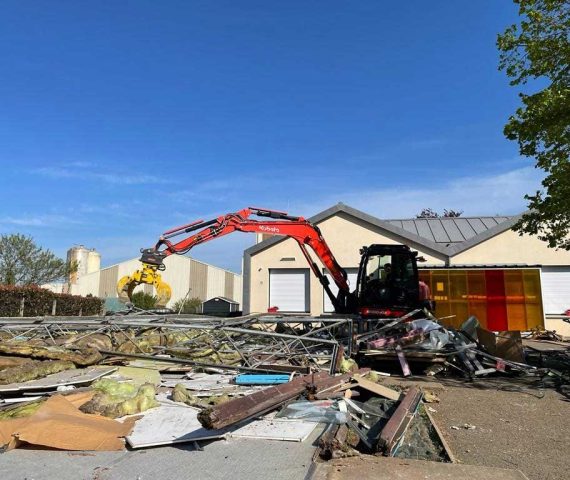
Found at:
[60, 424]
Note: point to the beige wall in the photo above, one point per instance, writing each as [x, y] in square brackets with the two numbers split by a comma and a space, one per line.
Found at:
[509, 247]
[345, 236]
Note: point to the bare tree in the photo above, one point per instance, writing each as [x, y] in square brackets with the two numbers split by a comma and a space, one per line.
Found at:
[429, 213]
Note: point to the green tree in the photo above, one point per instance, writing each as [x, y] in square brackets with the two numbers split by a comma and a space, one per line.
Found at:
[189, 305]
[538, 50]
[22, 262]
[144, 301]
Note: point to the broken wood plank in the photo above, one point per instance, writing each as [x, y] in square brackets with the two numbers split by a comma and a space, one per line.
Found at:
[261, 402]
[377, 388]
[239, 409]
[398, 423]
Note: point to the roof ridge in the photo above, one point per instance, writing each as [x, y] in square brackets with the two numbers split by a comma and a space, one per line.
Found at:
[448, 218]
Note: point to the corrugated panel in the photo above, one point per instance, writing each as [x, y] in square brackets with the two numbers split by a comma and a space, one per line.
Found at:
[87, 284]
[451, 229]
[216, 282]
[229, 285]
[477, 225]
[198, 280]
[238, 289]
[465, 228]
[424, 230]
[410, 226]
[438, 231]
[177, 275]
[108, 282]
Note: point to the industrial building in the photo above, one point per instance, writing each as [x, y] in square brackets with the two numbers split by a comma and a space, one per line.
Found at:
[187, 277]
[474, 265]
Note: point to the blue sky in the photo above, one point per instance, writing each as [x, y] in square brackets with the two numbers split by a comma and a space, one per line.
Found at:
[121, 119]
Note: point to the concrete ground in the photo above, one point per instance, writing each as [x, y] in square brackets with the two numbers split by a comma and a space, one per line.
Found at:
[514, 427]
[382, 468]
[220, 460]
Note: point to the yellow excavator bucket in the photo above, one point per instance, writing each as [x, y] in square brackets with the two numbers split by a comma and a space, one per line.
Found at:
[147, 275]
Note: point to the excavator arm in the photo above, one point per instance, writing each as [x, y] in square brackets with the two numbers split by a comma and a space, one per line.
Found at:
[301, 230]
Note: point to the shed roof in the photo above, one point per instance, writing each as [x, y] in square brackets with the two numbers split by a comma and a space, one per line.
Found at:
[225, 299]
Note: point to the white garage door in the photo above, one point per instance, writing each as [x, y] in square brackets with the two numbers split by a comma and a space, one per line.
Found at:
[555, 289]
[289, 289]
[352, 277]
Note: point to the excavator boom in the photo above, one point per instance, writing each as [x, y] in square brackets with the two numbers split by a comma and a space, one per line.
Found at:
[301, 230]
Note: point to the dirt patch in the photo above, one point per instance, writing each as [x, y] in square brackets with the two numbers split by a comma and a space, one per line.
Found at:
[513, 429]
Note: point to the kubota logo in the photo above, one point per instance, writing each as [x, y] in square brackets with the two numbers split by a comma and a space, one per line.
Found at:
[269, 229]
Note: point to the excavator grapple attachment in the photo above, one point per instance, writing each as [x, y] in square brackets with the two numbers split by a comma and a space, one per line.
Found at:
[147, 275]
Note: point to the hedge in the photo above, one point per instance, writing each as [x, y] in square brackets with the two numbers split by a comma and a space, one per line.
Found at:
[39, 302]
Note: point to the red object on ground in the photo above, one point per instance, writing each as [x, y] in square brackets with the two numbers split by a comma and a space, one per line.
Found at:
[272, 309]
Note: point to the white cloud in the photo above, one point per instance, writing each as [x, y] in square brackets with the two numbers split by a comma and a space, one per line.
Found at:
[84, 171]
[38, 221]
[476, 195]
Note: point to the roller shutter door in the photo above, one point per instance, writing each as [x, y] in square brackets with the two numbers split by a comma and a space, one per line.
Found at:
[352, 277]
[289, 289]
[555, 289]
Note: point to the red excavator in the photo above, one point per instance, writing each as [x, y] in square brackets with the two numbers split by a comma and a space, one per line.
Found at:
[387, 282]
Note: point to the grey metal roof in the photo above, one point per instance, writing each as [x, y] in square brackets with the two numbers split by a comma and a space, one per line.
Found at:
[448, 230]
[440, 236]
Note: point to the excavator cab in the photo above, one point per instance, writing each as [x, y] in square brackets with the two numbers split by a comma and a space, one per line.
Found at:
[388, 282]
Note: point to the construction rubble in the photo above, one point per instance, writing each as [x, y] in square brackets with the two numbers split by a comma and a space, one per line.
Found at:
[137, 381]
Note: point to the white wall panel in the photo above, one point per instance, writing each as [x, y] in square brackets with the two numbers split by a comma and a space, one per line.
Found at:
[555, 289]
[216, 282]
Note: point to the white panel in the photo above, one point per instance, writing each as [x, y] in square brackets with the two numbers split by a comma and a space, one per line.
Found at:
[238, 290]
[555, 289]
[272, 429]
[352, 277]
[169, 423]
[288, 289]
[177, 275]
[87, 284]
[216, 282]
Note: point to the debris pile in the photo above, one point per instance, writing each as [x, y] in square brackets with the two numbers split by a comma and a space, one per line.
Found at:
[470, 351]
[84, 384]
